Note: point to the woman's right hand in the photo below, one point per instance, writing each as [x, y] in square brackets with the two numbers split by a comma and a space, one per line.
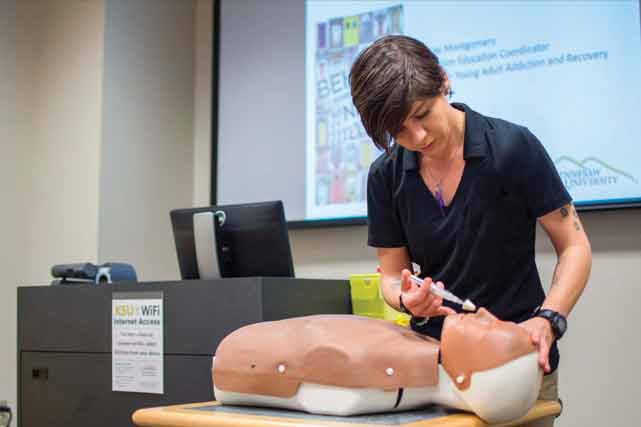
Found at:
[419, 301]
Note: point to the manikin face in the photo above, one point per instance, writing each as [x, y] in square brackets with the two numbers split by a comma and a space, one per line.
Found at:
[484, 323]
[481, 319]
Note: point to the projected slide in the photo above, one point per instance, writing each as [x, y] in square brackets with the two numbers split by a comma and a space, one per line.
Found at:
[569, 71]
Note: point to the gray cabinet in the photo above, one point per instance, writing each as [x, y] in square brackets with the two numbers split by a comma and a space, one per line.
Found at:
[64, 341]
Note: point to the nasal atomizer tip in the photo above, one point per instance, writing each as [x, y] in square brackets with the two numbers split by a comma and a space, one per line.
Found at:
[469, 305]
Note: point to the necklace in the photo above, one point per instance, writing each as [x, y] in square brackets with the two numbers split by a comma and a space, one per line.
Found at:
[438, 192]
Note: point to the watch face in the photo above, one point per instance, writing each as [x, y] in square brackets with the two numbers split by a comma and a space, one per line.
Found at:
[562, 324]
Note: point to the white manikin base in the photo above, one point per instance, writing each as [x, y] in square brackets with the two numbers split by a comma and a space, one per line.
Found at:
[496, 395]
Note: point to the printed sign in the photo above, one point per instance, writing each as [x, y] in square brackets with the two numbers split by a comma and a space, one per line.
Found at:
[137, 342]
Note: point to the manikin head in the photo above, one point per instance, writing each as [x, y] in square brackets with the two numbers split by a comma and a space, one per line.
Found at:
[485, 356]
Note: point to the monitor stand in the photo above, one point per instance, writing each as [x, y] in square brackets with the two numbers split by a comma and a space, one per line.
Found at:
[206, 245]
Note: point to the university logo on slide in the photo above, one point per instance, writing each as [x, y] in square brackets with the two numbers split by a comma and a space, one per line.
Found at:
[591, 173]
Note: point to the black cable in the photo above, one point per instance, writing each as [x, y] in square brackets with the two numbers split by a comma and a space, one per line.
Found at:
[399, 396]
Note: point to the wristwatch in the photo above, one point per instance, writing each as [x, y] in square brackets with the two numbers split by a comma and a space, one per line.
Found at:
[558, 322]
[402, 306]
[418, 321]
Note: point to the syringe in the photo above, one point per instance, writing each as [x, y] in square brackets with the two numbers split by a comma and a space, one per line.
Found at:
[446, 295]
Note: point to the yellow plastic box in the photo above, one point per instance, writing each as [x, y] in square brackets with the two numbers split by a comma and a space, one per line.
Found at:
[367, 299]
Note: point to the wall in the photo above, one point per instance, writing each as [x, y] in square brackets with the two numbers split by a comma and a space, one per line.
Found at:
[87, 177]
[147, 138]
[64, 135]
[600, 376]
[50, 73]
[11, 165]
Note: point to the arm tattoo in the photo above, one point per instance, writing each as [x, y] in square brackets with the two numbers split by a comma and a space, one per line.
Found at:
[575, 219]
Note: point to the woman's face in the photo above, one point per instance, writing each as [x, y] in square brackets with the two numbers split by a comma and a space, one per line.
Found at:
[427, 128]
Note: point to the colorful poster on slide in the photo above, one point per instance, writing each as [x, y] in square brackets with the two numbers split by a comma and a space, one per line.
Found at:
[342, 151]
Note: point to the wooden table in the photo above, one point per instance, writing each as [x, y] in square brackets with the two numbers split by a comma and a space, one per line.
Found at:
[213, 414]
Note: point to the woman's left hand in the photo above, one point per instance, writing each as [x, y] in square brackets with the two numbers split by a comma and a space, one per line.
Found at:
[542, 337]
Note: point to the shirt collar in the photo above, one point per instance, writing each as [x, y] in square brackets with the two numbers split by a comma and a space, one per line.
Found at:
[474, 144]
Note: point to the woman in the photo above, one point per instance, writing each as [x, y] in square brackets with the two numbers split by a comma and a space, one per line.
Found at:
[459, 194]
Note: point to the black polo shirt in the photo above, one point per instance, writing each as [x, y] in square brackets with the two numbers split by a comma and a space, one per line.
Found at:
[482, 246]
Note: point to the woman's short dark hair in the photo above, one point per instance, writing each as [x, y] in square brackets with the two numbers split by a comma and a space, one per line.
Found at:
[387, 78]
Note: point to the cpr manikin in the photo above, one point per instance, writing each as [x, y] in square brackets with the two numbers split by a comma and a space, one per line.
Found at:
[348, 365]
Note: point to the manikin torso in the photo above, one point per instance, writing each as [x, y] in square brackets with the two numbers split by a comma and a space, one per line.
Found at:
[348, 365]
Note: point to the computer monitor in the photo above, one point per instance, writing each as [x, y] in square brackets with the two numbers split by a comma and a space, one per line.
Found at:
[242, 240]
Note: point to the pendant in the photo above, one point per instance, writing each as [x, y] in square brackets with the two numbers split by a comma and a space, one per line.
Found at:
[438, 194]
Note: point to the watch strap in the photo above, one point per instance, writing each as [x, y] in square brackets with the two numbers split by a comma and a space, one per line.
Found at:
[402, 307]
[415, 320]
[558, 323]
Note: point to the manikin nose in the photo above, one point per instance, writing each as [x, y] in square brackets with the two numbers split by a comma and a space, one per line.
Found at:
[483, 315]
